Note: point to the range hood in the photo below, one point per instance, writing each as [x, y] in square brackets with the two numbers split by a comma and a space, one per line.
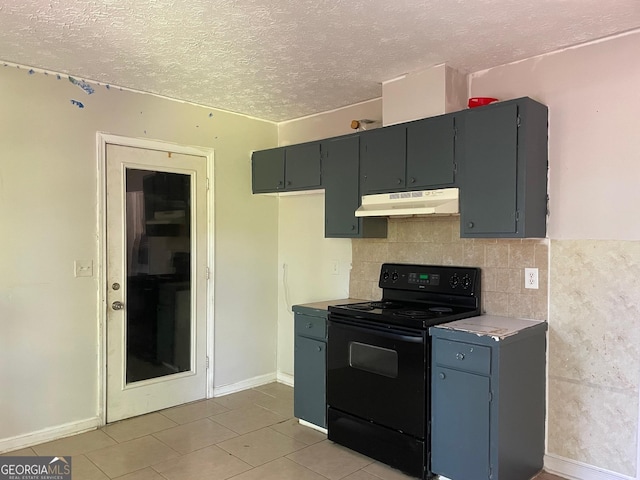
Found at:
[422, 202]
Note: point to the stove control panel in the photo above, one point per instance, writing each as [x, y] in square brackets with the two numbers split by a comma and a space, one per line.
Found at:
[432, 278]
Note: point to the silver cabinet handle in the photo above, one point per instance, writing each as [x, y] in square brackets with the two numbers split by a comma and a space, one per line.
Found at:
[117, 305]
[460, 356]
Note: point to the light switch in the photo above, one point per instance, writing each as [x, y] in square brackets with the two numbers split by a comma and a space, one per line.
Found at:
[83, 268]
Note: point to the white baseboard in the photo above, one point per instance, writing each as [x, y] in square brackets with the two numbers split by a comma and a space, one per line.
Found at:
[244, 384]
[304, 423]
[574, 470]
[285, 378]
[48, 434]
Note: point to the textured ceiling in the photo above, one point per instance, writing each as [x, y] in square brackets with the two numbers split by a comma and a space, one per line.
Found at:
[282, 59]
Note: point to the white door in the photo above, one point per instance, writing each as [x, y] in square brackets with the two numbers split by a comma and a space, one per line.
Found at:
[156, 220]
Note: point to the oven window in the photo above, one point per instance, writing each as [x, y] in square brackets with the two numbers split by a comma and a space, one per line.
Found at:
[370, 358]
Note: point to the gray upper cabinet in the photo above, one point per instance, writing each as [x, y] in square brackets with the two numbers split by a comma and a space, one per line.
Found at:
[267, 170]
[497, 156]
[302, 166]
[383, 160]
[297, 167]
[431, 159]
[503, 163]
[342, 198]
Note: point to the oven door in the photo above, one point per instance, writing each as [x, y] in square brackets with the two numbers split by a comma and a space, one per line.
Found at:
[378, 374]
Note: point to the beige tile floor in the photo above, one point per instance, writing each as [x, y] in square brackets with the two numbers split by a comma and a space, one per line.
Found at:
[250, 435]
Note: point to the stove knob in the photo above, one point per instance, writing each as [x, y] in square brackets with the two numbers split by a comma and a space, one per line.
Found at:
[454, 280]
[394, 276]
[385, 275]
[466, 282]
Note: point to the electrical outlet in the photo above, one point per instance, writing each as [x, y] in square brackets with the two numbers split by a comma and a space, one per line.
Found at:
[531, 278]
[335, 267]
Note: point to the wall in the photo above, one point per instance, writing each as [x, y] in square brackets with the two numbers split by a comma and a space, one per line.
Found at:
[437, 241]
[48, 211]
[305, 257]
[305, 266]
[594, 321]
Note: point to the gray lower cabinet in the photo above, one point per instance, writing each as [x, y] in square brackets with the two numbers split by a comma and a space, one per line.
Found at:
[503, 167]
[342, 196]
[309, 395]
[487, 404]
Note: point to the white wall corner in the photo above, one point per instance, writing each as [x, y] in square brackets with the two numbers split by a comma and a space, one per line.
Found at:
[48, 434]
[244, 384]
[284, 378]
[574, 470]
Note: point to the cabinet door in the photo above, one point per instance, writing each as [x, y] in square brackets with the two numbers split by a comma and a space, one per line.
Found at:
[309, 398]
[302, 166]
[383, 160]
[460, 424]
[267, 170]
[430, 153]
[489, 171]
[340, 169]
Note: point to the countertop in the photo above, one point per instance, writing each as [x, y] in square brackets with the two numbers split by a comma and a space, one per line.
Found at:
[327, 303]
[491, 325]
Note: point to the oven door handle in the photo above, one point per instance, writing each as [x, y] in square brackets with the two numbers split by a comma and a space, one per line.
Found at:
[388, 333]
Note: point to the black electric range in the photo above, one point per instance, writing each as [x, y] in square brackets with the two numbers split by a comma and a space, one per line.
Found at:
[379, 361]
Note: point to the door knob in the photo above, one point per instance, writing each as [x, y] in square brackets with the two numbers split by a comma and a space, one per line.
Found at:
[117, 305]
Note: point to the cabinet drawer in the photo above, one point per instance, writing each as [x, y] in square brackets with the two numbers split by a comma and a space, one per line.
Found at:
[313, 327]
[462, 356]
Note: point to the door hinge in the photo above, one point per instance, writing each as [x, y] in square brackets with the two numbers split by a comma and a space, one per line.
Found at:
[490, 472]
[517, 215]
[207, 272]
[518, 121]
[547, 204]
[208, 185]
[490, 397]
[207, 366]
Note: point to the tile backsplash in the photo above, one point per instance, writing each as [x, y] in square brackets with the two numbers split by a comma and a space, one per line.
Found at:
[436, 240]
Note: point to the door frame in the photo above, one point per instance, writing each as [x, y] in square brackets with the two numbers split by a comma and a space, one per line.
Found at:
[103, 139]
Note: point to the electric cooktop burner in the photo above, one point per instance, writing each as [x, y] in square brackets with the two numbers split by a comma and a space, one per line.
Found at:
[441, 309]
[368, 306]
